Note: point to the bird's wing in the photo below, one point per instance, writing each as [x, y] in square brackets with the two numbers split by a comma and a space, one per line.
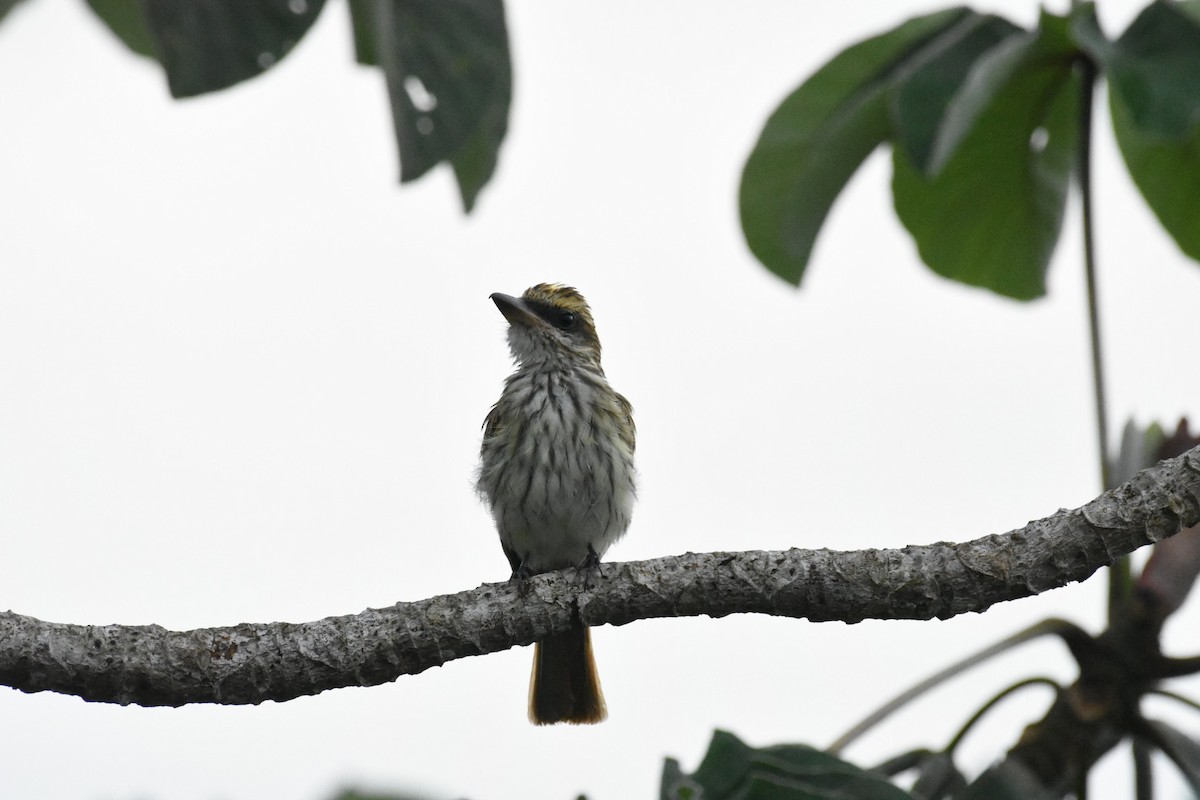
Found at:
[628, 432]
[491, 423]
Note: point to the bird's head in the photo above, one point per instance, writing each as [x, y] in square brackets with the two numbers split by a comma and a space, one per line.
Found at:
[550, 322]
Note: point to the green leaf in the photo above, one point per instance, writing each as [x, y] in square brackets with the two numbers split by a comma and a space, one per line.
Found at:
[921, 97]
[675, 785]
[937, 776]
[819, 135]
[449, 79]
[1183, 750]
[992, 214]
[1008, 780]
[1155, 104]
[733, 769]
[125, 19]
[1085, 32]
[355, 794]
[363, 23]
[987, 78]
[475, 162]
[6, 6]
[1166, 172]
[1153, 67]
[206, 45]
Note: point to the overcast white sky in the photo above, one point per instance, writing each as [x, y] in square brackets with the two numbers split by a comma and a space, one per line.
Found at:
[242, 375]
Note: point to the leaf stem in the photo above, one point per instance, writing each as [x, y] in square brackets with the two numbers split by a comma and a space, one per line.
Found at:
[1179, 698]
[1143, 770]
[1058, 627]
[1119, 575]
[990, 704]
[1087, 96]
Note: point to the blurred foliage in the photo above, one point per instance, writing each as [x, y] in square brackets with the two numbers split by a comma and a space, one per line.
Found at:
[6, 6]
[732, 769]
[446, 64]
[126, 20]
[449, 78]
[358, 794]
[981, 115]
[982, 118]
[987, 123]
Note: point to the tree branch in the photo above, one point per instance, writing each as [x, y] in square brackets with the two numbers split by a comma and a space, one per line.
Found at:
[250, 663]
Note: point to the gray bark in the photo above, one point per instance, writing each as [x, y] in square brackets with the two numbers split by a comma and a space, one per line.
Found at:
[250, 663]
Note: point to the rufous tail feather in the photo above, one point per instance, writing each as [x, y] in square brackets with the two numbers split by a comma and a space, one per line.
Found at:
[564, 686]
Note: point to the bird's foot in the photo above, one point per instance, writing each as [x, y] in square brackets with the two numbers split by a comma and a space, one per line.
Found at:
[520, 578]
[590, 567]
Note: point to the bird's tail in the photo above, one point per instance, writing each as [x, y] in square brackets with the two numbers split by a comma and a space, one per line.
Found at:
[565, 686]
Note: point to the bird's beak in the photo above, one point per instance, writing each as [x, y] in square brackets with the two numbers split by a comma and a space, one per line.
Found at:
[516, 311]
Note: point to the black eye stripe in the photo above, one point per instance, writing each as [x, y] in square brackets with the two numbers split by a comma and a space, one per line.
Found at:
[561, 318]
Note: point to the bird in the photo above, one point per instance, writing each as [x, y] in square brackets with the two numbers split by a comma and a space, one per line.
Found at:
[557, 473]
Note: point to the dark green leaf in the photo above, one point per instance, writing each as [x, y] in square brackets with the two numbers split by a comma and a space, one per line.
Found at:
[675, 785]
[937, 777]
[6, 6]
[1085, 32]
[992, 215]
[774, 786]
[1008, 780]
[725, 765]
[818, 137]
[1183, 750]
[1154, 68]
[922, 96]
[988, 77]
[125, 19]
[732, 769]
[476, 160]
[903, 762]
[206, 45]
[1166, 171]
[449, 78]
[355, 794]
[366, 31]
[1155, 103]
